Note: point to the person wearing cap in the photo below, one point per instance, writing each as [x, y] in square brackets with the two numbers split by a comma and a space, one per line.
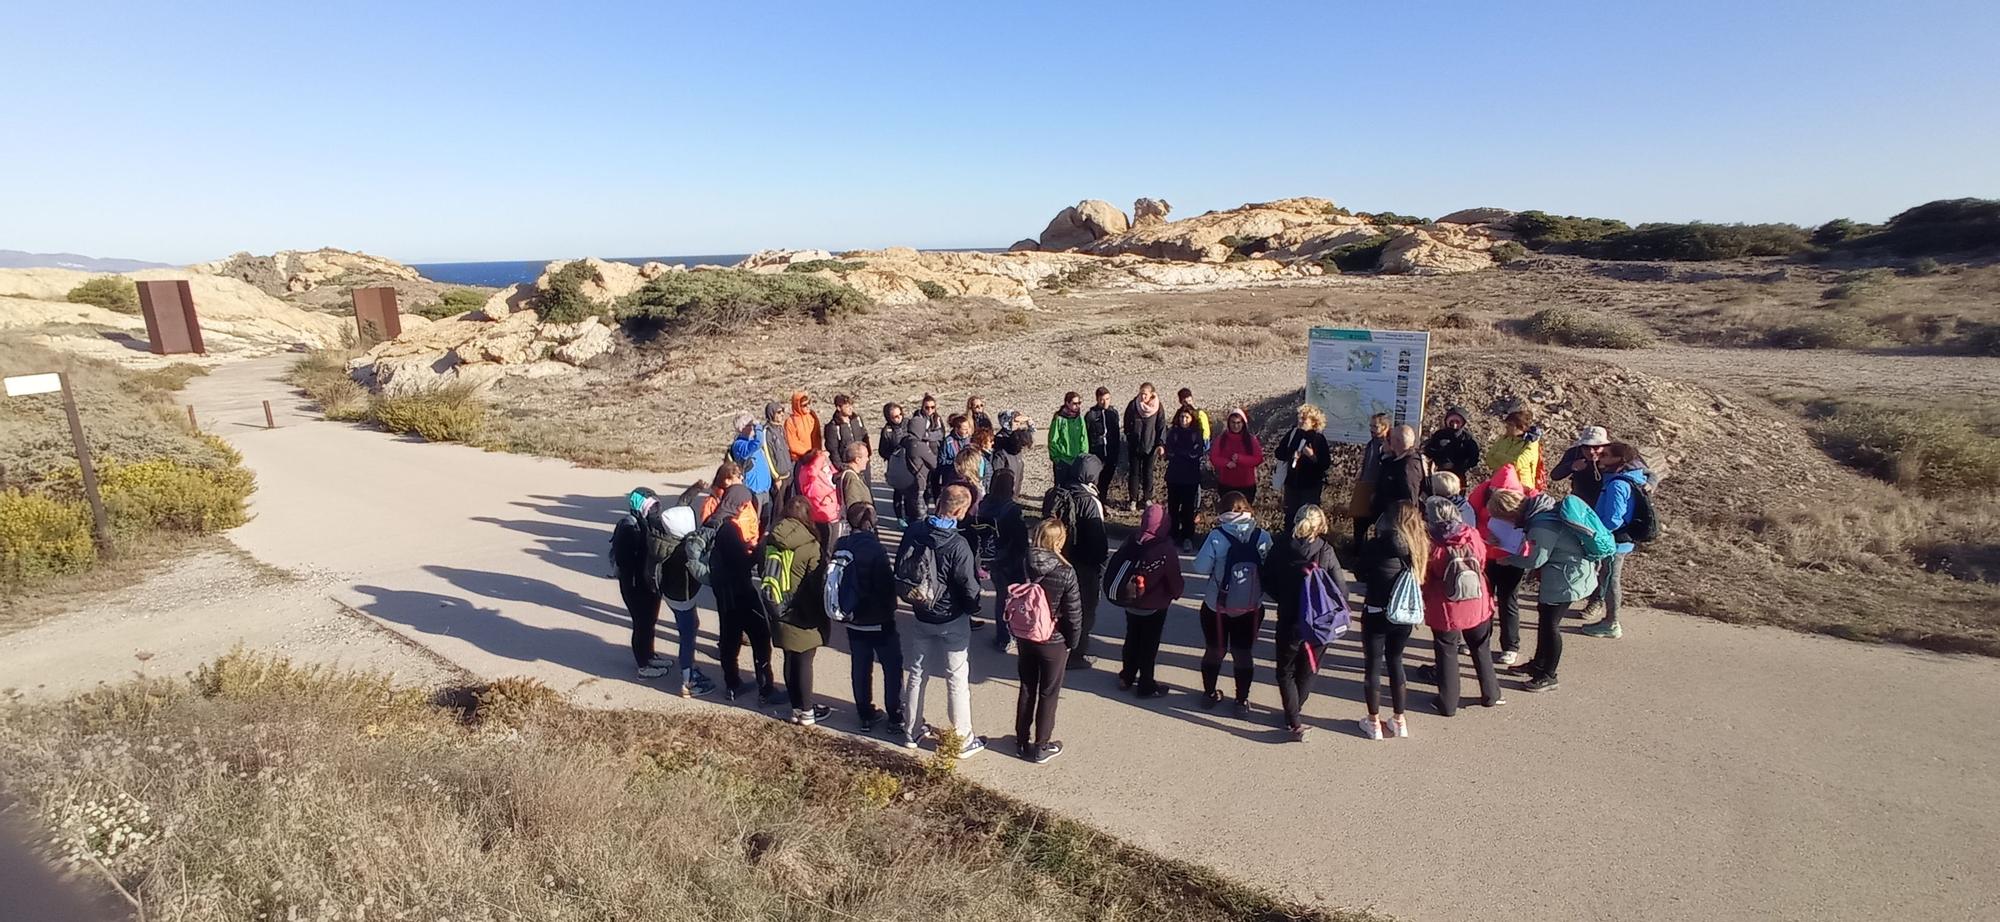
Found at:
[638, 573]
[1453, 448]
[778, 455]
[750, 451]
[1015, 435]
[1579, 464]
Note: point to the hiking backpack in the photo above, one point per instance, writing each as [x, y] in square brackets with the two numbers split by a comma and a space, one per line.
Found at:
[1644, 525]
[918, 581]
[1596, 539]
[1463, 580]
[842, 596]
[1242, 589]
[1323, 613]
[900, 475]
[775, 585]
[628, 544]
[1027, 613]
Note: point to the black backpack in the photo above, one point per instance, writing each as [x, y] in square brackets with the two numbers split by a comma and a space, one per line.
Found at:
[629, 545]
[1645, 523]
[918, 580]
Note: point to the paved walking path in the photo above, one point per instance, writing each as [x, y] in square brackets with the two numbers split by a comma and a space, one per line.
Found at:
[1693, 770]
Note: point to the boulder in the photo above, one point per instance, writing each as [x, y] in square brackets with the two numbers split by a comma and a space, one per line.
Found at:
[1435, 252]
[1199, 239]
[1079, 224]
[1025, 245]
[777, 260]
[589, 342]
[1477, 216]
[509, 300]
[614, 279]
[1147, 212]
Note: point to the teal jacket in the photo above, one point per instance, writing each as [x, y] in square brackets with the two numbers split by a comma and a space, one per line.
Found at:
[1555, 549]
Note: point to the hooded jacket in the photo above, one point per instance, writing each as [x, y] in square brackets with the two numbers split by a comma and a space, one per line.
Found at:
[1059, 582]
[1067, 439]
[1184, 454]
[817, 486]
[956, 565]
[1212, 560]
[1103, 431]
[875, 580]
[1614, 503]
[1556, 551]
[1144, 431]
[842, 432]
[1087, 544]
[1440, 612]
[1451, 450]
[801, 625]
[1001, 522]
[1153, 556]
[1241, 447]
[1285, 576]
[749, 453]
[1524, 452]
[1397, 480]
[803, 434]
[889, 438]
[737, 528]
[1008, 444]
[1503, 479]
[1304, 473]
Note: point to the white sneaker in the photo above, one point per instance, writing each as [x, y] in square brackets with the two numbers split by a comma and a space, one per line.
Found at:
[1402, 725]
[1371, 728]
[972, 747]
[1509, 657]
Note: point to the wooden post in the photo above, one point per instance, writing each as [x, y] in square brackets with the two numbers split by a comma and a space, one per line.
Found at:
[269, 423]
[191, 423]
[102, 521]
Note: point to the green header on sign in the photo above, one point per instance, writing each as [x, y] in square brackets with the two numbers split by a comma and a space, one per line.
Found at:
[1331, 333]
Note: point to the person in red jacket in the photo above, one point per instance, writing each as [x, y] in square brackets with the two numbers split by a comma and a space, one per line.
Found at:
[1235, 454]
[1458, 604]
[1502, 538]
[1144, 578]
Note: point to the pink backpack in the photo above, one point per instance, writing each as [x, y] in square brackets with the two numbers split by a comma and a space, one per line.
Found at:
[1028, 616]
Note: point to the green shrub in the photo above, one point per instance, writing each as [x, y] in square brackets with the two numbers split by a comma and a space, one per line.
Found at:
[453, 302]
[726, 300]
[1934, 452]
[167, 378]
[1507, 251]
[1539, 229]
[163, 495]
[1390, 217]
[933, 290]
[1839, 231]
[1696, 242]
[452, 413]
[1838, 331]
[1564, 326]
[111, 292]
[1857, 285]
[826, 265]
[1923, 267]
[1963, 225]
[42, 537]
[564, 301]
[1359, 257]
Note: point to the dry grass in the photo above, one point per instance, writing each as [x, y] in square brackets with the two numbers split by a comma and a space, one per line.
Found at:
[262, 790]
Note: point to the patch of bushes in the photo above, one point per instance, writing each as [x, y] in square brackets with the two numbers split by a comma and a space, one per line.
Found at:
[932, 290]
[564, 301]
[111, 292]
[1507, 251]
[451, 413]
[1696, 242]
[1564, 326]
[1539, 229]
[453, 302]
[1359, 257]
[1837, 331]
[1081, 275]
[1390, 217]
[42, 538]
[1857, 285]
[826, 265]
[1839, 231]
[165, 379]
[1933, 452]
[1922, 267]
[1962, 225]
[727, 300]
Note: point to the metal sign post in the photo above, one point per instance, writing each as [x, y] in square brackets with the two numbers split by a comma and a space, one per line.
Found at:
[24, 385]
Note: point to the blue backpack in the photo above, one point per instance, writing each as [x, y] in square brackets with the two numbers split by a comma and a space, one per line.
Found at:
[1596, 539]
[1323, 613]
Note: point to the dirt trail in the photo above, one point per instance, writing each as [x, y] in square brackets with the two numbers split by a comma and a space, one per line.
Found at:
[1693, 770]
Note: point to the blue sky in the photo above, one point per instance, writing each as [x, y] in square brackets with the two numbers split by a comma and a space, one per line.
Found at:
[433, 131]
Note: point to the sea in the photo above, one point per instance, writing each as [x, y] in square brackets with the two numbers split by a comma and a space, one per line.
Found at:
[522, 271]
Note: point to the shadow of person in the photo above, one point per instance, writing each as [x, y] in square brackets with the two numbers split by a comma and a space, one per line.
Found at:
[494, 632]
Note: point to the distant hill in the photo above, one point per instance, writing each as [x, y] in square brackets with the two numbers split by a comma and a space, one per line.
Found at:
[18, 259]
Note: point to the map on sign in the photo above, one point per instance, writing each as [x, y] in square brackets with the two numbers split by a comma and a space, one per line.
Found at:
[1354, 374]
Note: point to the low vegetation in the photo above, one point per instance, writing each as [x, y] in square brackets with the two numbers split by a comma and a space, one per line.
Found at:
[259, 789]
[1565, 326]
[1540, 230]
[1390, 217]
[933, 290]
[451, 303]
[1507, 251]
[1939, 228]
[564, 300]
[826, 265]
[1936, 453]
[111, 292]
[726, 300]
[448, 413]
[1834, 331]
[1358, 257]
[1695, 242]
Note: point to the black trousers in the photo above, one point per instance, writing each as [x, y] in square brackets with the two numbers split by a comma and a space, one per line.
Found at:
[1002, 583]
[1139, 476]
[642, 600]
[1142, 648]
[1088, 577]
[799, 678]
[1249, 494]
[1238, 635]
[864, 650]
[739, 618]
[1105, 475]
[1182, 501]
[1296, 671]
[1506, 585]
[908, 503]
[1444, 646]
[1382, 646]
[1041, 671]
[1549, 638]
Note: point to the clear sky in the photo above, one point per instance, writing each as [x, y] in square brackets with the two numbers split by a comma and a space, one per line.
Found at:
[430, 131]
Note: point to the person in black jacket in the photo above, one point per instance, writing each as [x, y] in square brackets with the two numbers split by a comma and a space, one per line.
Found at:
[941, 634]
[1453, 447]
[1042, 663]
[732, 577]
[1305, 456]
[1076, 505]
[639, 575]
[1284, 580]
[928, 429]
[1104, 430]
[919, 454]
[1401, 542]
[1399, 472]
[844, 429]
[872, 636]
[1145, 441]
[1003, 544]
[1015, 436]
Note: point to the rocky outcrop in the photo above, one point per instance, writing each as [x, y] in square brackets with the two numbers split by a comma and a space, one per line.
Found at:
[237, 319]
[893, 276]
[1025, 245]
[1147, 212]
[1199, 239]
[295, 271]
[1083, 223]
[1299, 230]
[778, 260]
[480, 352]
[1435, 251]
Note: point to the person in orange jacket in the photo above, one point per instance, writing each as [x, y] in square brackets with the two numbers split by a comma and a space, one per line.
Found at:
[803, 432]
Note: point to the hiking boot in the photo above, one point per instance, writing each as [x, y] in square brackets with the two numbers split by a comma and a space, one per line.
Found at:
[1049, 751]
[1541, 683]
[1401, 725]
[1591, 609]
[1494, 702]
[733, 692]
[1606, 628]
[695, 685]
[1371, 728]
[973, 747]
[653, 672]
[1508, 657]
[767, 694]
[1026, 751]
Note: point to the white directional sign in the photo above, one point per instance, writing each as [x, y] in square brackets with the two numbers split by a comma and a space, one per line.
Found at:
[23, 385]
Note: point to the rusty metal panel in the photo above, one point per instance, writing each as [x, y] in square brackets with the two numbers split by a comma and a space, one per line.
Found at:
[376, 317]
[171, 326]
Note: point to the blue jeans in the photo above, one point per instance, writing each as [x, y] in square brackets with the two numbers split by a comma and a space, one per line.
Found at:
[687, 623]
[865, 649]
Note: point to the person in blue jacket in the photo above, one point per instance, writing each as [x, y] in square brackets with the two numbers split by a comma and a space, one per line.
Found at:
[1623, 473]
[750, 453]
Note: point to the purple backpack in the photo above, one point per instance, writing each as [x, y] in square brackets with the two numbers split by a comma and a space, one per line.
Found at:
[1323, 615]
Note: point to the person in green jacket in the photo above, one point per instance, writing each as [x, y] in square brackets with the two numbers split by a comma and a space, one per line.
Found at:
[1067, 439]
[1555, 551]
[798, 625]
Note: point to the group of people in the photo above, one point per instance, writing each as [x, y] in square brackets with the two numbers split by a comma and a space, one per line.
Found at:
[786, 537]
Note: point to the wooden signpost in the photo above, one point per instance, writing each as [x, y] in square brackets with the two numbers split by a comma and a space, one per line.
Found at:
[26, 385]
